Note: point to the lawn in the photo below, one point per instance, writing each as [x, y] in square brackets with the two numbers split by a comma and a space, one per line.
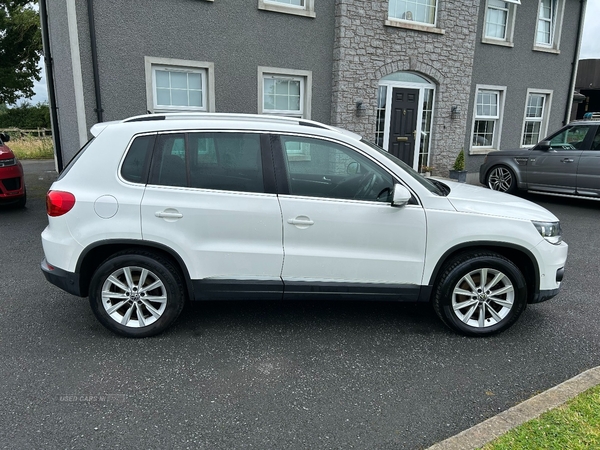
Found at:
[32, 147]
[574, 425]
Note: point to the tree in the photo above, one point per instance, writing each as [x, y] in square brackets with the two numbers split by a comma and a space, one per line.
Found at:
[20, 49]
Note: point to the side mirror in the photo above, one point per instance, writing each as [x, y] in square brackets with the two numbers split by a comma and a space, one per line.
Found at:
[5, 137]
[400, 195]
[543, 145]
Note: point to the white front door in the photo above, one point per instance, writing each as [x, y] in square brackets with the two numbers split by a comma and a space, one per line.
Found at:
[340, 232]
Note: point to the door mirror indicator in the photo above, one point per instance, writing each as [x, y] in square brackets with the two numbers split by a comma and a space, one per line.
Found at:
[400, 195]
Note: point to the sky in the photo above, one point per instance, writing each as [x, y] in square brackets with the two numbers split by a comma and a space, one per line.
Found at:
[590, 48]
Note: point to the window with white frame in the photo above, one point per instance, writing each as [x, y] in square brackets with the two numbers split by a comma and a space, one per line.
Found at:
[284, 91]
[179, 85]
[297, 7]
[487, 118]
[549, 21]
[419, 11]
[536, 117]
[499, 21]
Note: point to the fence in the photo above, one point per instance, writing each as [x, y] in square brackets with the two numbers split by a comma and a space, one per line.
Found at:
[16, 133]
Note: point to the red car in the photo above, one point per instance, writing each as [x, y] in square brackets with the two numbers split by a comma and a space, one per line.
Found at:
[12, 182]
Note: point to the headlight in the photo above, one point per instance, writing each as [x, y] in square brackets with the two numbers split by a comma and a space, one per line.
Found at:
[549, 230]
[8, 162]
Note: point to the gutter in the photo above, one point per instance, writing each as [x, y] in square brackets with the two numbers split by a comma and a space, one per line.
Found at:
[92, 25]
[48, 62]
[575, 63]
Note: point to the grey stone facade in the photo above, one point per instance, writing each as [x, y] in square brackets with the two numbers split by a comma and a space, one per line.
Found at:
[366, 50]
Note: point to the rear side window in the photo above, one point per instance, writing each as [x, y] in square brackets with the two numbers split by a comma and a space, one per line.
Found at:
[223, 161]
[136, 163]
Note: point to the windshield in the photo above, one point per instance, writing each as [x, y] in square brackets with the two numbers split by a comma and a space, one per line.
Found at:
[434, 186]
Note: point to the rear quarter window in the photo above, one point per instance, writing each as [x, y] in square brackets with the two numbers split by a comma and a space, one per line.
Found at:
[136, 163]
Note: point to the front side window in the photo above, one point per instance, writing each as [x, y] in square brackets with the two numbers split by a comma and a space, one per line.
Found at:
[179, 85]
[298, 7]
[221, 161]
[284, 92]
[571, 138]
[535, 118]
[487, 115]
[334, 171]
[421, 11]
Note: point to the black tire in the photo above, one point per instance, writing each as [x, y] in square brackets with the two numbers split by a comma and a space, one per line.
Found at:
[481, 314]
[502, 179]
[148, 315]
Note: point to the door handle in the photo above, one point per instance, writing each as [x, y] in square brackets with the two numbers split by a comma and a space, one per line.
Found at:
[402, 138]
[168, 214]
[301, 222]
[566, 160]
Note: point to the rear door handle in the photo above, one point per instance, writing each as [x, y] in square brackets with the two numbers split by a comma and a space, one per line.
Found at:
[566, 160]
[168, 214]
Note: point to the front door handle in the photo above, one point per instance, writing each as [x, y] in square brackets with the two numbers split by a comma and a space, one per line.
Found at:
[301, 222]
[566, 160]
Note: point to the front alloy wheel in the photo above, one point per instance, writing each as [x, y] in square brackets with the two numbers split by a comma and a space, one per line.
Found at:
[480, 293]
[483, 298]
[501, 179]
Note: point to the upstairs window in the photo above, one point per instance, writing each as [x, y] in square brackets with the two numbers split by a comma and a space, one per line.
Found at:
[298, 7]
[420, 11]
[499, 21]
[547, 35]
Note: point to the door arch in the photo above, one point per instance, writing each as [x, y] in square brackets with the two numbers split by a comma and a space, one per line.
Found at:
[405, 106]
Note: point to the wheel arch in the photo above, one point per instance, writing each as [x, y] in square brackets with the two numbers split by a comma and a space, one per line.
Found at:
[98, 252]
[519, 256]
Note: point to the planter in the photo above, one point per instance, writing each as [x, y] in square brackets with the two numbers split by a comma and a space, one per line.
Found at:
[459, 175]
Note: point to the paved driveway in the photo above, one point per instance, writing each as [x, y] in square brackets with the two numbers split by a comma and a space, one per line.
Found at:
[270, 375]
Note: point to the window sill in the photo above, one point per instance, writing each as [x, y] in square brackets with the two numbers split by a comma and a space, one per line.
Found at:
[481, 151]
[486, 40]
[537, 48]
[414, 26]
[286, 10]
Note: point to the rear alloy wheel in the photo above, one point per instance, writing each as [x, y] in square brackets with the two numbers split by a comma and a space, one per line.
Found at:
[480, 294]
[136, 294]
[502, 179]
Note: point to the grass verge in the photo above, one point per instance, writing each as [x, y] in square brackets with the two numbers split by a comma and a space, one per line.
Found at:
[32, 147]
[574, 425]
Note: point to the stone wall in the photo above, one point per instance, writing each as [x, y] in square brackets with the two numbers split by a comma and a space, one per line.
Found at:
[365, 50]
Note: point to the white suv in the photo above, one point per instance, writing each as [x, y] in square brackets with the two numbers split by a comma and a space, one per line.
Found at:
[158, 209]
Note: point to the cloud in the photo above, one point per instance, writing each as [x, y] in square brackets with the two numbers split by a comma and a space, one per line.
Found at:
[590, 44]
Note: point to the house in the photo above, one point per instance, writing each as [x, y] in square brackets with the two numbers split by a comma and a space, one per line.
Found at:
[422, 78]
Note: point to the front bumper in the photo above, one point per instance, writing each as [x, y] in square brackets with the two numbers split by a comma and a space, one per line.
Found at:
[67, 281]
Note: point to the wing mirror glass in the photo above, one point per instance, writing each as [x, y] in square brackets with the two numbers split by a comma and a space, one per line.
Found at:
[400, 195]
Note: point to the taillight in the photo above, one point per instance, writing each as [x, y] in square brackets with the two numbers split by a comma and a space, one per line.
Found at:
[59, 203]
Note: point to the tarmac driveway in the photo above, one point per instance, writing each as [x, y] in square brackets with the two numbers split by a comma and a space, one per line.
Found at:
[270, 375]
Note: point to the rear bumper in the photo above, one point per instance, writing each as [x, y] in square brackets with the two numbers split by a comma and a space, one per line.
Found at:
[67, 281]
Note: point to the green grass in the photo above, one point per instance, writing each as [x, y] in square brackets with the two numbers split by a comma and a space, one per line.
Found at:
[572, 426]
[32, 147]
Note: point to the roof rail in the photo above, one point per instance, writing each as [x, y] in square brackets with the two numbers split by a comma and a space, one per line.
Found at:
[591, 116]
[225, 116]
